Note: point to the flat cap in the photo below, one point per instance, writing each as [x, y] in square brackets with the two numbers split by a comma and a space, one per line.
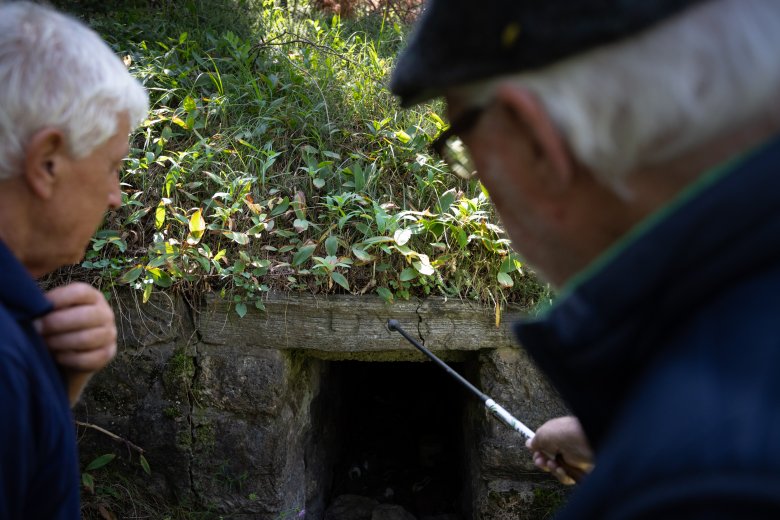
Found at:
[462, 41]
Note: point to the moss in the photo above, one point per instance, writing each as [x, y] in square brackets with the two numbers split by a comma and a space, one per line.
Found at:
[178, 374]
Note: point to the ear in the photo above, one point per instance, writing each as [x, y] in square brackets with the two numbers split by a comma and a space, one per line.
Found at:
[547, 141]
[45, 158]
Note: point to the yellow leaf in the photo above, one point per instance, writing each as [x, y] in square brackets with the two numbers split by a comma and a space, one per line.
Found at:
[197, 224]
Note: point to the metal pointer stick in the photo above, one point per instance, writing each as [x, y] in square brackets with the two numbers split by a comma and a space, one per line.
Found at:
[490, 404]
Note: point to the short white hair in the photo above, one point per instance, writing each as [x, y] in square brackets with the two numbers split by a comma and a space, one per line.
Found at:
[653, 97]
[56, 72]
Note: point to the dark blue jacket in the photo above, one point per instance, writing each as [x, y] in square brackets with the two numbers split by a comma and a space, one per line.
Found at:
[668, 350]
[38, 463]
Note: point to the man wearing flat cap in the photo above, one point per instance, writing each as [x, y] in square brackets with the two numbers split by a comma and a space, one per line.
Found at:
[632, 150]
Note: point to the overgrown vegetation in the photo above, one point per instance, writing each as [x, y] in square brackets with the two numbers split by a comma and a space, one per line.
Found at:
[274, 158]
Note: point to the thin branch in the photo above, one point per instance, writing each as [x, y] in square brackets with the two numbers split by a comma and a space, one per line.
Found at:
[301, 41]
[110, 434]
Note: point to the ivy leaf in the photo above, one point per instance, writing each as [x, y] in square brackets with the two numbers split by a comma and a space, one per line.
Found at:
[241, 309]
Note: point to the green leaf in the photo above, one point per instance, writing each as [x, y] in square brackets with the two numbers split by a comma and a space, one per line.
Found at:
[340, 279]
[147, 292]
[145, 465]
[446, 200]
[131, 275]
[505, 280]
[300, 225]
[385, 294]
[241, 309]
[239, 238]
[362, 254]
[408, 274]
[88, 482]
[319, 182]
[332, 245]
[101, 461]
[303, 254]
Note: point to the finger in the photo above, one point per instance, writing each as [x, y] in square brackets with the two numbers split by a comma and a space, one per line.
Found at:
[575, 473]
[76, 317]
[81, 340]
[76, 293]
[91, 361]
[563, 477]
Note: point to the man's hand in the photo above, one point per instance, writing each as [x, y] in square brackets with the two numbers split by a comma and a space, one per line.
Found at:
[80, 333]
[560, 447]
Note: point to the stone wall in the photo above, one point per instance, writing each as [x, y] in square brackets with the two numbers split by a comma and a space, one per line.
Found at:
[233, 413]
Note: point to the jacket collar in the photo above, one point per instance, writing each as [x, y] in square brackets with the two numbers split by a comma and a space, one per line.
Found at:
[19, 292]
[611, 320]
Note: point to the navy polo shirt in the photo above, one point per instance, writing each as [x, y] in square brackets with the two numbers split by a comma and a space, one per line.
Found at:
[39, 475]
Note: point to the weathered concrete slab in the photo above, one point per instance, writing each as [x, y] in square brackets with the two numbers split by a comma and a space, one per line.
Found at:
[348, 324]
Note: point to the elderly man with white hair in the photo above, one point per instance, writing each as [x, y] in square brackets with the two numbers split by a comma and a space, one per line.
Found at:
[631, 149]
[67, 106]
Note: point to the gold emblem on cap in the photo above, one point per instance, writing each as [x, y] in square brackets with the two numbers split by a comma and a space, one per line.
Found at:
[510, 34]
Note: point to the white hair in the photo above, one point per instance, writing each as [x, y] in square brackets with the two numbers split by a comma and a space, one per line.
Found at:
[56, 72]
[653, 97]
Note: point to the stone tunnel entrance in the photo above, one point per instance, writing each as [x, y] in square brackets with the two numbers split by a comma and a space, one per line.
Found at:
[398, 430]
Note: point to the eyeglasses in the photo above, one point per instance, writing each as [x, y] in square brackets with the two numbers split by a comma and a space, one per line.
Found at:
[450, 148]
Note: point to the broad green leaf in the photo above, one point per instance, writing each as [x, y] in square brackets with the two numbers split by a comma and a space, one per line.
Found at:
[332, 245]
[101, 461]
[385, 294]
[131, 275]
[446, 200]
[300, 225]
[239, 238]
[303, 254]
[319, 182]
[340, 279]
[505, 280]
[147, 292]
[408, 274]
[362, 254]
[241, 309]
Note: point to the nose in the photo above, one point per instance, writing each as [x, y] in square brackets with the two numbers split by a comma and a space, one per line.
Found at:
[115, 194]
